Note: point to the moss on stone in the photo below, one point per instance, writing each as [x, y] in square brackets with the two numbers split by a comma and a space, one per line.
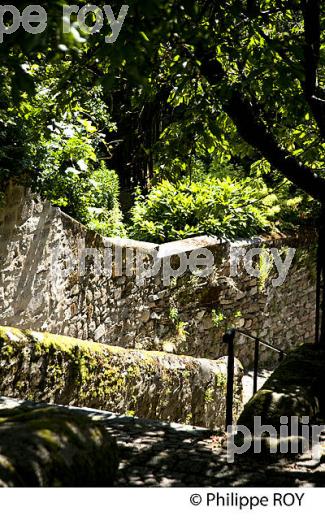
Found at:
[56, 369]
[208, 395]
[49, 446]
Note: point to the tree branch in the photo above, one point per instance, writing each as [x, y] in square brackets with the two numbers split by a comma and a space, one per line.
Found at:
[251, 127]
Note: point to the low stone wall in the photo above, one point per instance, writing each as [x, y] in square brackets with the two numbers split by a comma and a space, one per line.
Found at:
[58, 277]
[295, 389]
[42, 446]
[154, 385]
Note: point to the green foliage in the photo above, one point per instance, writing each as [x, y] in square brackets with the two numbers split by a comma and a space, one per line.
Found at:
[224, 207]
[296, 207]
[173, 315]
[55, 143]
[58, 91]
[15, 159]
[180, 326]
[107, 222]
[217, 317]
[67, 153]
[73, 178]
[220, 319]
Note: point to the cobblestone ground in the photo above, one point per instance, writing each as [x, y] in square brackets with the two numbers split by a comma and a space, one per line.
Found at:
[170, 455]
[156, 454]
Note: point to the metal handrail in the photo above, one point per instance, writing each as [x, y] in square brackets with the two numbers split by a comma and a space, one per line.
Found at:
[261, 341]
[229, 339]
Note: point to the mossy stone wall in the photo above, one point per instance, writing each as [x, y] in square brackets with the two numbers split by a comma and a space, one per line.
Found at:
[48, 368]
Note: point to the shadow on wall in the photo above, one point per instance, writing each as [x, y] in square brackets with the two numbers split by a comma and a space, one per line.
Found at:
[33, 260]
[25, 229]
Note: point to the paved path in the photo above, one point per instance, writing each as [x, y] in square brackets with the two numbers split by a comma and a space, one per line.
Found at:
[159, 454]
[170, 455]
[263, 375]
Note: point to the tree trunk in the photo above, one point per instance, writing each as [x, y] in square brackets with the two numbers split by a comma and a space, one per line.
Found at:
[321, 256]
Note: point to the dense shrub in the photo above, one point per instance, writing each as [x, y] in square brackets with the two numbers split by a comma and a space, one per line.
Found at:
[72, 177]
[224, 207]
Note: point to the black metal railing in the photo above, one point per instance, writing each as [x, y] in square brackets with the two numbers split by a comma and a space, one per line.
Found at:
[229, 339]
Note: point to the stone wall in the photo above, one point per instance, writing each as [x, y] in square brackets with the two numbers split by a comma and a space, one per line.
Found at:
[43, 287]
[154, 385]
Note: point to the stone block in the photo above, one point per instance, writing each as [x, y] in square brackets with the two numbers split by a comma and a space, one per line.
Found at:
[47, 446]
